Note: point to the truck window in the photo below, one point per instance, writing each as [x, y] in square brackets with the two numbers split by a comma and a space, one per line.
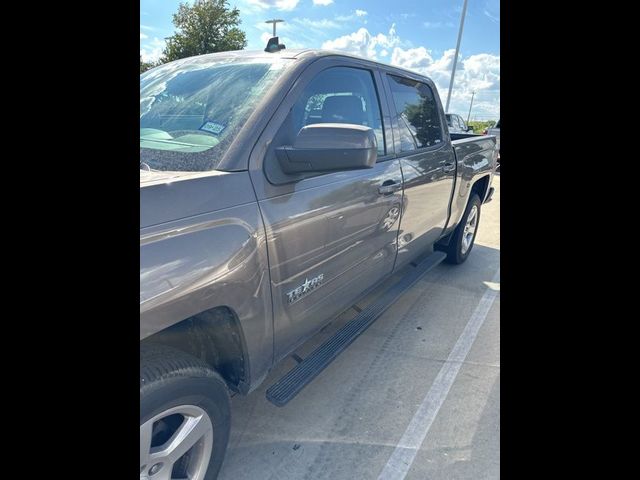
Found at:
[418, 117]
[449, 118]
[341, 95]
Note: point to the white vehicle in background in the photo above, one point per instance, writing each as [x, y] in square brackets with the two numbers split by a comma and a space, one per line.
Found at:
[457, 124]
[495, 131]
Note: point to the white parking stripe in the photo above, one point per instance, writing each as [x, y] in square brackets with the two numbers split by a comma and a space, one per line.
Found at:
[402, 458]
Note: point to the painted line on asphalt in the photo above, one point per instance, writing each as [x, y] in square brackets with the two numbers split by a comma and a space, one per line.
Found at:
[405, 453]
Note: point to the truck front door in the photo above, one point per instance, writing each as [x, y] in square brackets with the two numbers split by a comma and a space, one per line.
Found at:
[330, 236]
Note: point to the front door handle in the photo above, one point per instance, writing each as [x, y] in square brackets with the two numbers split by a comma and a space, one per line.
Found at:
[389, 187]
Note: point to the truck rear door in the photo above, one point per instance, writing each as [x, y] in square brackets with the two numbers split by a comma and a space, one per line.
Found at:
[427, 160]
[330, 236]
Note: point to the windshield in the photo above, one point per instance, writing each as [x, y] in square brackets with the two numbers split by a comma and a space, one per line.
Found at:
[191, 111]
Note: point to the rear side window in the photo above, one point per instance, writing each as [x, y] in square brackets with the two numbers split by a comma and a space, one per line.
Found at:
[418, 116]
[341, 95]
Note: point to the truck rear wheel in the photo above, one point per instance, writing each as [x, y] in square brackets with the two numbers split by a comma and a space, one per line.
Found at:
[464, 235]
[184, 416]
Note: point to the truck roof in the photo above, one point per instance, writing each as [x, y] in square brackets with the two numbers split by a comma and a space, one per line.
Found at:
[304, 54]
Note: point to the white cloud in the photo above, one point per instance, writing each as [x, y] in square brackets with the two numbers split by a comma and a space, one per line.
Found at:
[152, 51]
[324, 3]
[412, 59]
[482, 63]
[323, 23]
[357, 14]
[476, 73]
[287, 5]
[363, 43]
[143, 36]
[479, 73]
[360, 42]
[150, 54]
[390, 40]
[482, 72]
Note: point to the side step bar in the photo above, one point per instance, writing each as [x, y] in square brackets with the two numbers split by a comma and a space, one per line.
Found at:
[285, 389]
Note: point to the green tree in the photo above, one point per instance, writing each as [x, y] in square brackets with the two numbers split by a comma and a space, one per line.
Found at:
[479, 126]
[207, 26]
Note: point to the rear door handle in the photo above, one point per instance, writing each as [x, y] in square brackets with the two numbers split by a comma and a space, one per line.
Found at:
[389, 187]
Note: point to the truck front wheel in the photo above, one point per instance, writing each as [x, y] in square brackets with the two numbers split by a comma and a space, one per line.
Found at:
[464, 235]
[184, 416]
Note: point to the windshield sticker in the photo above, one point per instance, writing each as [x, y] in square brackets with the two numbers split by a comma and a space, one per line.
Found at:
[212, 127]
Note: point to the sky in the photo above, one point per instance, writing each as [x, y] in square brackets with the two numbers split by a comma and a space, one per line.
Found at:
[416, 34]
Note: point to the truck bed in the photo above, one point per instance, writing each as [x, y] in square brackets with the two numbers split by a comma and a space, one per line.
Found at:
[466, 143]
[476, 156]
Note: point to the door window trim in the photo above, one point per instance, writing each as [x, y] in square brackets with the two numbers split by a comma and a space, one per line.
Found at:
[395, 114]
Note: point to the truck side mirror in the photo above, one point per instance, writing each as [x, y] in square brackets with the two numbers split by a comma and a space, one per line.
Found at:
[325, 147]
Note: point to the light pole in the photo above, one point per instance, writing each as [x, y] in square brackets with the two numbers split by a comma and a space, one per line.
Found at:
[470, 106]
[455, 59]
[274, 21]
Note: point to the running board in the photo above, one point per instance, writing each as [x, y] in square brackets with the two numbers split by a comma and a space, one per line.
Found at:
[285, 389]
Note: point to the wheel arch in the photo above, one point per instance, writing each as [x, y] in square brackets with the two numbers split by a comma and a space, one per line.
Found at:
[216, 337]
[481, 187]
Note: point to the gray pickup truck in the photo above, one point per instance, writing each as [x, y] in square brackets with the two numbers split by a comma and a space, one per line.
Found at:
[276, 190]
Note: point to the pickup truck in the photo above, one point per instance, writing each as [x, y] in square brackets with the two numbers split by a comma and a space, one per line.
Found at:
[276, 190]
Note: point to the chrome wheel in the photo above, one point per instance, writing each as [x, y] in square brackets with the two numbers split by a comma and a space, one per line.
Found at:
[176, 444]
[469, 229]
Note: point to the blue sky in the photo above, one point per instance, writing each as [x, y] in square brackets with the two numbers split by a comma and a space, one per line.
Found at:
[415, 34]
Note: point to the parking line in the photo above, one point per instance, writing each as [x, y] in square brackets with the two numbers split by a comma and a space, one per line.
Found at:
[403, 456]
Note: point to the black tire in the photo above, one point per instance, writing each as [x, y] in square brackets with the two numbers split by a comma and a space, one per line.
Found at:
[454, 249]
[170, 378]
